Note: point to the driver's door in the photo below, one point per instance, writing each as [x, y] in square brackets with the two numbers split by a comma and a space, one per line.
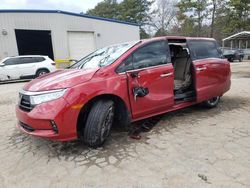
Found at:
[152, 75]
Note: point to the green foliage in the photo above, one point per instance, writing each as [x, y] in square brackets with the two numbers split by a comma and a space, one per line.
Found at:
[239, 15]
[207, 18]
[144, 34]
[106, 9]
[136, 11]
[221, 17]
[188, 27]
[161, 32]
[196, 11]
[128, 10]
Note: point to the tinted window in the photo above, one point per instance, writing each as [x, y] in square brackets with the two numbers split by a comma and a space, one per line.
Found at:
[38, 59]
[126, 65]
[150, 55]
[12, 61]
[25, 60]
[203, 49]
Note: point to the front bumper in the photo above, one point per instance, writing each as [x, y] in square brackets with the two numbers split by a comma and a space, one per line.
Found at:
[40, 120]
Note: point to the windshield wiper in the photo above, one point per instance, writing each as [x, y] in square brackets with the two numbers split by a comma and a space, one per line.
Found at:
[102, 61]
[88, 59]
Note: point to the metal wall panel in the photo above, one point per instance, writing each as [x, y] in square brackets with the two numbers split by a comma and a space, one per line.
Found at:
[105, 32]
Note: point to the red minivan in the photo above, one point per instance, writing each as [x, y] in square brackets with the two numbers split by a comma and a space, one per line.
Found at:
[120, 84]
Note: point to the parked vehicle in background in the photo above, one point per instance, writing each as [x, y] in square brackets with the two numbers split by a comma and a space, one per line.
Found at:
[25, 67]
[120, 84]
[234, 54]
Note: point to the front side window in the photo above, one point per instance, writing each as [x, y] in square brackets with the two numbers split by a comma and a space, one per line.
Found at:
[126, 65]
[202, 49]
[150, 55]
[153, 54]
[12, 61]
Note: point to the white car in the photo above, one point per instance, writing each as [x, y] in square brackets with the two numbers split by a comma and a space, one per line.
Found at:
[25, 67]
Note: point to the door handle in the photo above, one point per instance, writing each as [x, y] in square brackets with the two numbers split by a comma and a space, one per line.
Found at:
[166, 74]
[201, 68]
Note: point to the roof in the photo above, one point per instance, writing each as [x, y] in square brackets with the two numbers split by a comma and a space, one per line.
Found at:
[66, 13]
[176, 38]
[241, 35]
[188, 38]
[18, 56]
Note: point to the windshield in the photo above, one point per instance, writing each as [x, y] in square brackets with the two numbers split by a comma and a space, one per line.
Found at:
[103, 57]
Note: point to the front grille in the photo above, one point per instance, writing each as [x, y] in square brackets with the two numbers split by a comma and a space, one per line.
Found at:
[26, 127]
[24, 103]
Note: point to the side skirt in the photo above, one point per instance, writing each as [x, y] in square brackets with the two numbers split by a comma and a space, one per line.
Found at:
[177, 106]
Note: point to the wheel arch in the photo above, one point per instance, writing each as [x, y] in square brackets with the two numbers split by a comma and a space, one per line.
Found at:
[122, 113]
[42, 68]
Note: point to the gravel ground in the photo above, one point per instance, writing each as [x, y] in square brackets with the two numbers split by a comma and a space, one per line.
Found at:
[194, 147]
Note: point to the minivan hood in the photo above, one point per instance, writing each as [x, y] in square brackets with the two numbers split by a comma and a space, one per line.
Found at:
[60, 79]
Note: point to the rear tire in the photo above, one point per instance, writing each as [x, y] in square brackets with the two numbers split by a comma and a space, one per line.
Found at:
[211, 103]
[99, 122]
[41, 72]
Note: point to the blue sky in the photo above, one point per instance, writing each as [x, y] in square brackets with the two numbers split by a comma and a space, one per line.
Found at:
[76, 6]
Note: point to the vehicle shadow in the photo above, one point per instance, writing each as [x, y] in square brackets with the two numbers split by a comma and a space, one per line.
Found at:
[14, 81]
[119, 146]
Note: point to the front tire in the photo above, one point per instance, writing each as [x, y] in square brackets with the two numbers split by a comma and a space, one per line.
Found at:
[41, 72]
[99, 122]
[211, 103]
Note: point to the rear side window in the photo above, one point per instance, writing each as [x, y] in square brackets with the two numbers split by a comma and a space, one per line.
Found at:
[38, 59]
[150, 55]
[202, 49]
[25, 60]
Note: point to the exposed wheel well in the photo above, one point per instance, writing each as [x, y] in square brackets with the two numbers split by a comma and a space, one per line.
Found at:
[122, 115]
[42, 69]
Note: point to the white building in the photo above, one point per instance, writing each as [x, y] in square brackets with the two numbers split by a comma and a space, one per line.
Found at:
[59, 34]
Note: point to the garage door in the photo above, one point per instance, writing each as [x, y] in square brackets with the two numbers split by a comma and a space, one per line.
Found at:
[34, 42]
[80, 44]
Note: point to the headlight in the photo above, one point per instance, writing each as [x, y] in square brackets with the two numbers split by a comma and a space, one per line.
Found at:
[46, 96]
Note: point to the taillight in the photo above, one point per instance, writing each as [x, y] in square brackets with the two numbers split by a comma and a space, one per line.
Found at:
[53, 64]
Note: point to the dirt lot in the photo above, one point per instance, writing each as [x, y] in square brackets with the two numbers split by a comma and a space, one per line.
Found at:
[194, 147]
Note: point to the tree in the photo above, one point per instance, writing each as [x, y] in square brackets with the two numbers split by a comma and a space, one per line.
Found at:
[239, 15]
[144, 34]
[136, 11]
[195, 10]
[219, 18]
[214, 7]
[106, 9]
[163, 15]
